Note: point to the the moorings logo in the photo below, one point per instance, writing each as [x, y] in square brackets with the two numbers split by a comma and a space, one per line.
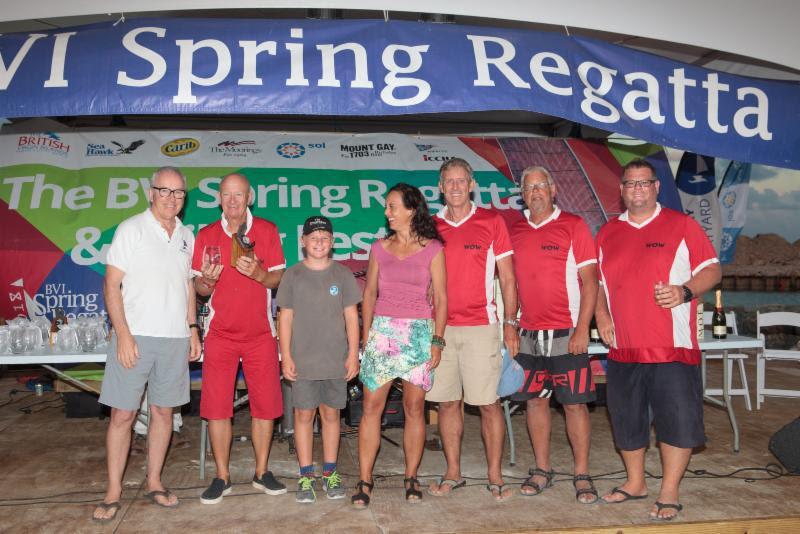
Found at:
[43, 142]
[180, 147]
[237, 149]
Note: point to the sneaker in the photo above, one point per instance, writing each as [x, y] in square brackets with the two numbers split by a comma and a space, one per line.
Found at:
[305, 490]
[214, 493]
[268, 484]
[332, 484]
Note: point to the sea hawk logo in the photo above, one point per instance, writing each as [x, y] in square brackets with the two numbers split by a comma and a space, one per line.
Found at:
[423, 148]
[128, 149]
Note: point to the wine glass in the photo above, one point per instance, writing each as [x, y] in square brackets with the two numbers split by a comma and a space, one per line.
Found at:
[212, 255]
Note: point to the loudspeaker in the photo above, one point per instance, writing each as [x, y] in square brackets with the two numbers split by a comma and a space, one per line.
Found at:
[785, 445]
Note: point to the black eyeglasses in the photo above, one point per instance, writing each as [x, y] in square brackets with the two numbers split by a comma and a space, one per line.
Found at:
[166, 191]
[632, 184]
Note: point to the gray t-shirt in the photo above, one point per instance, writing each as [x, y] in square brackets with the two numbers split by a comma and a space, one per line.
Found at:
[318, 300]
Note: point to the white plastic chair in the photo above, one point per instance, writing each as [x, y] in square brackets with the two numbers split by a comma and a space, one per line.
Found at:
[730, 319]
[764, 320]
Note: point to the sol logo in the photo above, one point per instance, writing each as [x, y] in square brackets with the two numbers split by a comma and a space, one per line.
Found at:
[180, 147]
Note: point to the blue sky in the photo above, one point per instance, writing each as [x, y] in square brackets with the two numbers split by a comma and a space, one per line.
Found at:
[773, 203]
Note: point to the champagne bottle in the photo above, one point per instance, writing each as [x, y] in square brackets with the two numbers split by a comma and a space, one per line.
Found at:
[594, 333]
[719, 328]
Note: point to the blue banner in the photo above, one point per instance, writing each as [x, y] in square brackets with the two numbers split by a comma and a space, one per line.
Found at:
[171, 66]
[697, 185]
[733, 207]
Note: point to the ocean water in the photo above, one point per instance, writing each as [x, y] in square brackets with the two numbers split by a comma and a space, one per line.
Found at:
[753, 300]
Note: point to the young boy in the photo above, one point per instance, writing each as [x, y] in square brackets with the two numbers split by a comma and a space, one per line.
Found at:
[319, 337]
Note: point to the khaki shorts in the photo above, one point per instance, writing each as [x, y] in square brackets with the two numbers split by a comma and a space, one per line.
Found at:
[470, 366]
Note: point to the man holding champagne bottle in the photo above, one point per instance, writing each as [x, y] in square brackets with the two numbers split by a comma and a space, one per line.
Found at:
[653, 263]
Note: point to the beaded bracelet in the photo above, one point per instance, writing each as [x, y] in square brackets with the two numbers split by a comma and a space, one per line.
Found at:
[438, 341]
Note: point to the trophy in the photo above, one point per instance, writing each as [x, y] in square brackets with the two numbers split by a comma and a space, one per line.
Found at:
[241, 245]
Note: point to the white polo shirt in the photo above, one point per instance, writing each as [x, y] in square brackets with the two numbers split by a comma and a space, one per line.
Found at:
[157, 269]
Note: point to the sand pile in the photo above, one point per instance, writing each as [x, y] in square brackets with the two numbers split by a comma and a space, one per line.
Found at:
[765, 255]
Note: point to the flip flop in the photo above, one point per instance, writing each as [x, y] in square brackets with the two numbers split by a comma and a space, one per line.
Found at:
[159, 493]
[499, 488]
[452, 484]
[628, 496]
[660, 506]
[116, 506]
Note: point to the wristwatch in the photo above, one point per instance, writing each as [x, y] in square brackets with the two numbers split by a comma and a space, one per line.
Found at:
[687, 294]
[194, 325]
[511, 322]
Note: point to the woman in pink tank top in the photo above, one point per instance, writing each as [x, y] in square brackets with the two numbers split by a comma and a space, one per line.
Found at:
[404, 313]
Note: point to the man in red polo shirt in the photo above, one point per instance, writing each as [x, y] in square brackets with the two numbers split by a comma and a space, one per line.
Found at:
[556, 269]
[475, 242]
[240, 327]
[654, 262]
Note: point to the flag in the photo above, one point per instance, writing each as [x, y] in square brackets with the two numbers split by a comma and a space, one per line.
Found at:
[697, 186]
[733, 207]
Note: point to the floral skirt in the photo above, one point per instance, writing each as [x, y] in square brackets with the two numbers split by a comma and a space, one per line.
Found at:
[397, 348]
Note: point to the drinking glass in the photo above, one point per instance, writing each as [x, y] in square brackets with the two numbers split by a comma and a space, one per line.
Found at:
[5, 340]
[212, 254]
[87, 337]
[32, 337]
[17, 339]
[67, 338]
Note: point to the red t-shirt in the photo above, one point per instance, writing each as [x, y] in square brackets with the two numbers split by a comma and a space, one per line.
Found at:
[547, 257]
[239, 307]
[669, 247]
[471, 249]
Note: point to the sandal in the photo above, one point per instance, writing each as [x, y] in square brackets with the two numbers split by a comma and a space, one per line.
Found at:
[159, 493]
[412, 493]
[361, 499]
[105, 506]
[585, 491]
[627, 496]
[537, 489]
[661, 505]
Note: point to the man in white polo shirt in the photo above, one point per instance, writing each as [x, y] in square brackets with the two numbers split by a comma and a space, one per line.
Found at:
[150, 299]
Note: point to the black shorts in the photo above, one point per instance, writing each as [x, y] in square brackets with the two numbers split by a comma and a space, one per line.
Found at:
[667, 395]
[551, 370]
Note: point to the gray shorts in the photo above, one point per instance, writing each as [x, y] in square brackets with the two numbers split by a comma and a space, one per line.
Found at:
[309, 394]
[163, 367]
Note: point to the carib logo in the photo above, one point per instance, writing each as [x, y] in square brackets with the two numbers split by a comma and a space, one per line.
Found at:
[180, 147]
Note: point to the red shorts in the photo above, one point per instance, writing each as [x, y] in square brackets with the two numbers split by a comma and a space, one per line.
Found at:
[261, 372]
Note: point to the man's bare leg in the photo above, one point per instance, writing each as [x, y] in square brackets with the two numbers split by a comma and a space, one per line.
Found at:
[118, 442]
[493, 432]
[635, 484]
[159, 433]
[262, 441]
[674, 461]
[451, 430]
[221, 433]
[539, 421]
[579, 433]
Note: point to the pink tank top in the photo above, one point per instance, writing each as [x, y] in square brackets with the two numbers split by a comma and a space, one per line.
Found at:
[403, 284]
